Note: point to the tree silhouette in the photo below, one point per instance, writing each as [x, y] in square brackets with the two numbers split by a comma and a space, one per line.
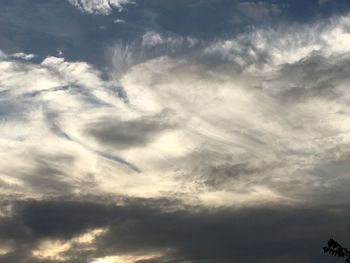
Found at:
[335, 249]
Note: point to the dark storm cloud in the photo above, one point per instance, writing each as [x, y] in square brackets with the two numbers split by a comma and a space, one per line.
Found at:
[216, 235]
[29, 222]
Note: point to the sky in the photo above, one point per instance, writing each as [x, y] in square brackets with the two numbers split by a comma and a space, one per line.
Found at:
[174, 131]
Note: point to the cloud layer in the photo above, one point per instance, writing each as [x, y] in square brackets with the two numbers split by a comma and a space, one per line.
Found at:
[141, 231]
[179, 148]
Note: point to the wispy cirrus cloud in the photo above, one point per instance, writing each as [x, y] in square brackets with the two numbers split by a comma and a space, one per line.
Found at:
[173, 120]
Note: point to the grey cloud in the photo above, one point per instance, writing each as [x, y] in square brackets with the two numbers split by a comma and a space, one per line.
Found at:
[192, 235]
[312, 77]
[29, 222]
[260, 11]
[10, 109]
[333, 177]
[245, 235]
[127, 134]
[219, 175]
[48, 174]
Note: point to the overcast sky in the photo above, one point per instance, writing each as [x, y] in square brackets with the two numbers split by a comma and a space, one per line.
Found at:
[163, 131]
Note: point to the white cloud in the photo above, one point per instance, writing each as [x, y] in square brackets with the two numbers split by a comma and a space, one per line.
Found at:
[153, 39]
[170, 126]
[253, 120]
[23, 56]
[103, 7]
[119, 21]
[62, 98]
[271, 47]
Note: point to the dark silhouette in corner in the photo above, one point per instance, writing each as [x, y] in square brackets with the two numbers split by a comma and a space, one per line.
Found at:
[335, 249]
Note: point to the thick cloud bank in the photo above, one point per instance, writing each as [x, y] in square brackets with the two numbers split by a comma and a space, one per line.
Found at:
[152, 231]
[179, 149]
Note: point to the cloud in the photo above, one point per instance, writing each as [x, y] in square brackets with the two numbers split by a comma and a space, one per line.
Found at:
[83, 231]
[184, 141]
[121, 134]
[119, 21]
[260, 11]
[171, 119]
[32, 105]
[266, 47]
[103, 7]
[273, 105]
[23, 56]
[172, 42]
[322, 2]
